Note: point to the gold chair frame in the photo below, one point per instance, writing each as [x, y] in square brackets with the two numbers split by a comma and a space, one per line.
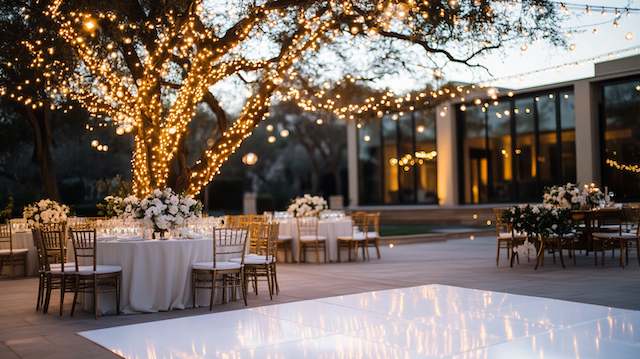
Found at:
[227, 242]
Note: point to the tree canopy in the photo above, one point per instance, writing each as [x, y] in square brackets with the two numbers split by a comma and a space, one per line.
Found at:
[144, 67]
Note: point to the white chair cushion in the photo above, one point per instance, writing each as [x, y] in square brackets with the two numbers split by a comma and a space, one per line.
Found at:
[68, 267]
[254, 259]
[312, 238]
[373, 235]
[100, 269]
[284, 238]
[614, 235]
[509, 235]
[219, 265]
[6, 252]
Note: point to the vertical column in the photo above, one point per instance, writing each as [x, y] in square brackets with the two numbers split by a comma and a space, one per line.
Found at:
[447, 165]
[352, 160]
[587, 133]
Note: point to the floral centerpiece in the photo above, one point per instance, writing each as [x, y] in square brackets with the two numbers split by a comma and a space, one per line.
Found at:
[307, 205]
[45, 211]
[111, 207]
[537, 221]
[131, 208]
[163, 210]
[568, 196]
[572, 196]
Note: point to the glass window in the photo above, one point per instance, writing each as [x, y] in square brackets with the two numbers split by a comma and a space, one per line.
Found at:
[548, 139]
[621, 157]
[397, 159]
[499, 151]
[390, 158]
[369, 166]
[407, 160]
[426, 155]
[525, 164]
[509, 149]
[474, 154]
[568, 137]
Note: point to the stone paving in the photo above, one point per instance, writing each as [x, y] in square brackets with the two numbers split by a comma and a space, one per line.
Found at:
[25, 333]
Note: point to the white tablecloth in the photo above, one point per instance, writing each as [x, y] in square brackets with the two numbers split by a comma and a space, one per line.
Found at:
[156, 275]
[330, 228]
[24, 240]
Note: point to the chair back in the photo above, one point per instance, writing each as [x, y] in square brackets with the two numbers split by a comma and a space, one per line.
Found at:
[40, 252]
[631, 217]
[307, 226]
[374, 222]
[229, 243]
[6, 235]
[501, 225]
[267, 239]
[612, 217]
[84, 245]
[360, 224]
[53, 237]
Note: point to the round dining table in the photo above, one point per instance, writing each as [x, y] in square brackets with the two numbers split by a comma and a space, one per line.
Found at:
[156, 274]
[331, 229]
[24, 239]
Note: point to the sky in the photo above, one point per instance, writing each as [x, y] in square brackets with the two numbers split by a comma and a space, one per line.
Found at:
[506, 63]
[512, 60]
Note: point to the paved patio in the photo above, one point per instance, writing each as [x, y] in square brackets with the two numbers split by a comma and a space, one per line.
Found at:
[25, 333]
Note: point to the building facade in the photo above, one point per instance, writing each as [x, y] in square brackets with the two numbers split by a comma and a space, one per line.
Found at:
[505, 149]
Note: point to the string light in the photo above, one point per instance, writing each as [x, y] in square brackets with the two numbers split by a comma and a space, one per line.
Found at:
[135, 101]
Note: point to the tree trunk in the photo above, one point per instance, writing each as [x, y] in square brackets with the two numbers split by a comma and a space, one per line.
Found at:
[41, 124]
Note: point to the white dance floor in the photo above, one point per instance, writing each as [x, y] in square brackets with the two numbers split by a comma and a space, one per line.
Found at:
[431, 321]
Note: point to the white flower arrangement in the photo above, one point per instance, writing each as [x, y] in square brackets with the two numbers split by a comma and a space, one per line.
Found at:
[164, 209]
[568, 196]
[45, 211]
[131, 208]
[572, 196]
[111, 207]
[307, 205]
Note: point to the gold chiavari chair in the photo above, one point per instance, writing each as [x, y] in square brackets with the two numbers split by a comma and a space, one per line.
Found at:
[261, 263]
[606, 226]
[506, 237]
[221, 272]
[58, 273]
[93, 279]
[11, 256]
[373, 236]
[627, 236]
[285, 243]
[309, 239]
[359, 233]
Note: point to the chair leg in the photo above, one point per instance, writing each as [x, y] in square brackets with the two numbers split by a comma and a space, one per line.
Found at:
[95, 297]
[325, 251]
[339, 247]
[269, 282]
[275, 278]
[193, 289]
[317, 253]
[62, 289]
[75, 296]
[498, 254]
[213, 290]
[118, 294]
[47, 299]
[243, 279]
[40, 290]
[377, 240]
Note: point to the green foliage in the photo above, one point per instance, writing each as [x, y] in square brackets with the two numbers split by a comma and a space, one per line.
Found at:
[539, 220]
[7, 212]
